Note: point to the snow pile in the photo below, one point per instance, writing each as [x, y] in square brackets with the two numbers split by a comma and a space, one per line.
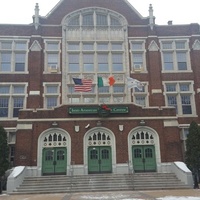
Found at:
[182, 166]
[17, 171]
[178, 198]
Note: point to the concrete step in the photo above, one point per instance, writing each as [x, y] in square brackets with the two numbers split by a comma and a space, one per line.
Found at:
[99, 182]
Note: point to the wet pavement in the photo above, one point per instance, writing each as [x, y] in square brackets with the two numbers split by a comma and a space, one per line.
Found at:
[119, 195]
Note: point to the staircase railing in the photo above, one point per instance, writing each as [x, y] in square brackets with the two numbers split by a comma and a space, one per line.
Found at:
[71, 171]
[131, 173]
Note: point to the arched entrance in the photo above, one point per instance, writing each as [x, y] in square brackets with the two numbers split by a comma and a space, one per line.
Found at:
[53, 149]
[144, 149]
[99, 151]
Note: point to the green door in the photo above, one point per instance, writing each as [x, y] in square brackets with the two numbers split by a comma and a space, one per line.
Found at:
[54, 161]
[144, 158]
[99, 160]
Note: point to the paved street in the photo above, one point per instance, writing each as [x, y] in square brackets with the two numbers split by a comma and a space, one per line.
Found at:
[123, 195]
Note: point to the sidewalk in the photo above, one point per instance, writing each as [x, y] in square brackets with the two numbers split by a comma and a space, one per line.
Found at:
[121, 195]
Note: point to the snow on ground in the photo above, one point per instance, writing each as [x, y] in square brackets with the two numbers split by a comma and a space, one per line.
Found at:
[127, 197]
[178, 198]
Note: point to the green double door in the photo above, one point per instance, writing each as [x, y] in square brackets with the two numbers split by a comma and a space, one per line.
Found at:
[54, 161]
[144, 158]
[99, 160]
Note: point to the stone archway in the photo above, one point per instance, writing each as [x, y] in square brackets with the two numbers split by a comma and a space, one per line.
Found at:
[55, 145]
[99, 143]
[144, 149]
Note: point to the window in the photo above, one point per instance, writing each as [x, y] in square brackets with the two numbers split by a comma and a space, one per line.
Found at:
[95, 45]
[180, 95]
[117, 62]
[138, 55]
[12, 99]
[13, 56]
[102, 46]
[74, 63]
[73, 46]
[51, 95]
[6, 62]
[88, 20]
[175, 55]
[103, 63]
[102, 20]
[88, 62]
[52, 49]
[140, 96]
[168, 61]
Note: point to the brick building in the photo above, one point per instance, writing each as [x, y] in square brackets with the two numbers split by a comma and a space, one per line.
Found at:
[54, 129]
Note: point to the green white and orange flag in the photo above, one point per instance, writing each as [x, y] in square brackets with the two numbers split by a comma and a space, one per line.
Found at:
[103, 81]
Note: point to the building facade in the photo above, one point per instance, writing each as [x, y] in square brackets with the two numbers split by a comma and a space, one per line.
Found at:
[54, 129]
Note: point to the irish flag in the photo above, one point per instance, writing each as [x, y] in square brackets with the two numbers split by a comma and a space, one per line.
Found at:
[103, 81]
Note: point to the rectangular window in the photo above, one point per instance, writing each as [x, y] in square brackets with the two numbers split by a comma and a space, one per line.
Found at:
[20, 45]
[180, 96]
[13, 56]
[104, 89]
[20, 62]
[6, 62]
[101, 20]
[180, 45]
[88, 62]
[4, 106]
[89, 100]
[4, 89]
[73, 46]
[170, 87]
[51, 95]
[74, 63]
[118, 89]
[137, 61]
[88, 20]
[52, 59]
[137, 46]
[118, 99]
[139, 99]
[102, 46]
[52, 46]
[116, 46]
[103, 63]
[172, 101]
[175, 55]
[167, 45]
[18, 103]
[186, 104]
[181, 59]
[6, 45]
[88, 46]
[18, 89]
[51, 102]
[117, 62]
[168, 61]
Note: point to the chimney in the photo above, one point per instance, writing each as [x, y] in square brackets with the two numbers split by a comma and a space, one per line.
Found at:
[169, 22]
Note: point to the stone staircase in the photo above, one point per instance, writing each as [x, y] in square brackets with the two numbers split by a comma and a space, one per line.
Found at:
[101, 182]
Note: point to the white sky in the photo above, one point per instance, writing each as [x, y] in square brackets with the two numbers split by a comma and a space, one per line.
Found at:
[179, 11]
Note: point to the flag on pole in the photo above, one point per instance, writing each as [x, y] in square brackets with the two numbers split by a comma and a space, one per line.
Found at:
[82, 85]
[102, 81]
[134, 83]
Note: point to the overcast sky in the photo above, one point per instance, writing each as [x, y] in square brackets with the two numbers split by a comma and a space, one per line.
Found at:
[178, 11]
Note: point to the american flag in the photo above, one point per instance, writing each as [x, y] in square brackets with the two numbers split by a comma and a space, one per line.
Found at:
[82, 85]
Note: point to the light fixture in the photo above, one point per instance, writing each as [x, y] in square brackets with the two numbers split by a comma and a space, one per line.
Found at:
[76, 128]
[142, 122]
[99, 123]
[121, 127]
[54, 124]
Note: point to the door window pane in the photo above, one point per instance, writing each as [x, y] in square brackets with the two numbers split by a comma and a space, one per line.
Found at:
[137, 153]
